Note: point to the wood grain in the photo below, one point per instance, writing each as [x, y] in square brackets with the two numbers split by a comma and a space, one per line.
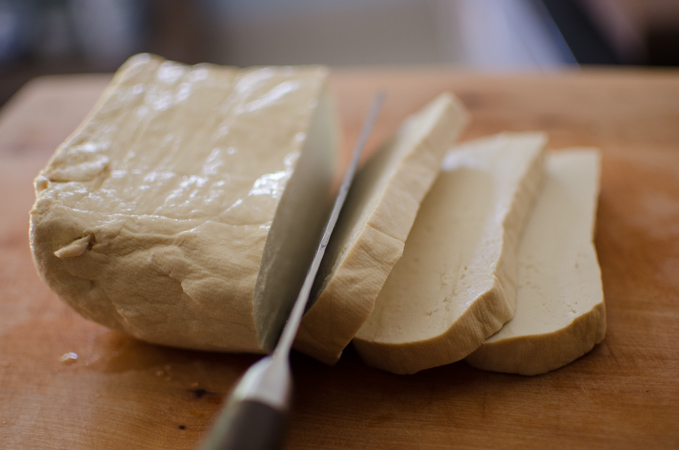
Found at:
[120, 393]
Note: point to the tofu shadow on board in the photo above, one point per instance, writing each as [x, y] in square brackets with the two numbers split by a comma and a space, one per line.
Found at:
[114, 352]
[360, 384]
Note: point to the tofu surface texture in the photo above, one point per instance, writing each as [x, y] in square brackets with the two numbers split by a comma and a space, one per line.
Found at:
[187, 206]
[560, 313]
[372, 230]
[455, 284]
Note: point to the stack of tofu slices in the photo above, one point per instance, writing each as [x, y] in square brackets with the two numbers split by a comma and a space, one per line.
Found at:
[186, 208]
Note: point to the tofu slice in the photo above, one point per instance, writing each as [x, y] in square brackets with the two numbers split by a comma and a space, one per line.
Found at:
[560, 313]
[455, 284]
[184, 193]
[372, 229]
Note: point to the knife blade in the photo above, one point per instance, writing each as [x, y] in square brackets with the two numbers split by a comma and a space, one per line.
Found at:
[255, 416]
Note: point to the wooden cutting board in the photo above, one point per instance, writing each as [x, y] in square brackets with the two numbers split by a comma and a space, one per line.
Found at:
[113, 392]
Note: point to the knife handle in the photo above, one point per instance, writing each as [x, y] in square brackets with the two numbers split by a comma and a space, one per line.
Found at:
[248, 425]
[256, 414]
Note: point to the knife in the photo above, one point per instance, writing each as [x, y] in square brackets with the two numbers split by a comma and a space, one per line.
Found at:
[256, 414]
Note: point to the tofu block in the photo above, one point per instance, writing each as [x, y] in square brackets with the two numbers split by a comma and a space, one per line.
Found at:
[372, 229]
[455, 284]
[560, 313]
[187, 206]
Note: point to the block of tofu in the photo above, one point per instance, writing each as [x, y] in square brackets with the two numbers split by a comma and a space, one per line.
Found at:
[185, 192]
[560, 312]
[455, 284]
[375, 221]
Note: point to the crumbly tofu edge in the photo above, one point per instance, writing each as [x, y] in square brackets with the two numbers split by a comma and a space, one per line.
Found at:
[488, 312]
[362, 256]
[532, 353]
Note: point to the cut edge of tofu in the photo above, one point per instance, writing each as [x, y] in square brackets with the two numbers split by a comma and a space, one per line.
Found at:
[298, 226]
[492, 308]
[548, 348]
[375, 222]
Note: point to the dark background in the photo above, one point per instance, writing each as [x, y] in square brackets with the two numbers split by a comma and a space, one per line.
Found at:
[39, 37]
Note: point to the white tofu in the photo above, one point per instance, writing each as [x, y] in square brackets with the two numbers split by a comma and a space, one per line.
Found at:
[455, 284]
[560, 313]
[375, 221]
[187, 206]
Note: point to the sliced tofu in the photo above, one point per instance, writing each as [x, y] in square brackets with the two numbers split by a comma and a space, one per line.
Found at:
[373, 227]
[455, 284]
[185, 192]
[560, 313]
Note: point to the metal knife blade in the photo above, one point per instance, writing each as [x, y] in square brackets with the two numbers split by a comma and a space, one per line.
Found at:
[255, 415]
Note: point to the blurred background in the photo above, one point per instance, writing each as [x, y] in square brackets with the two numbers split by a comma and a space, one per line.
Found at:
[39, 37]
